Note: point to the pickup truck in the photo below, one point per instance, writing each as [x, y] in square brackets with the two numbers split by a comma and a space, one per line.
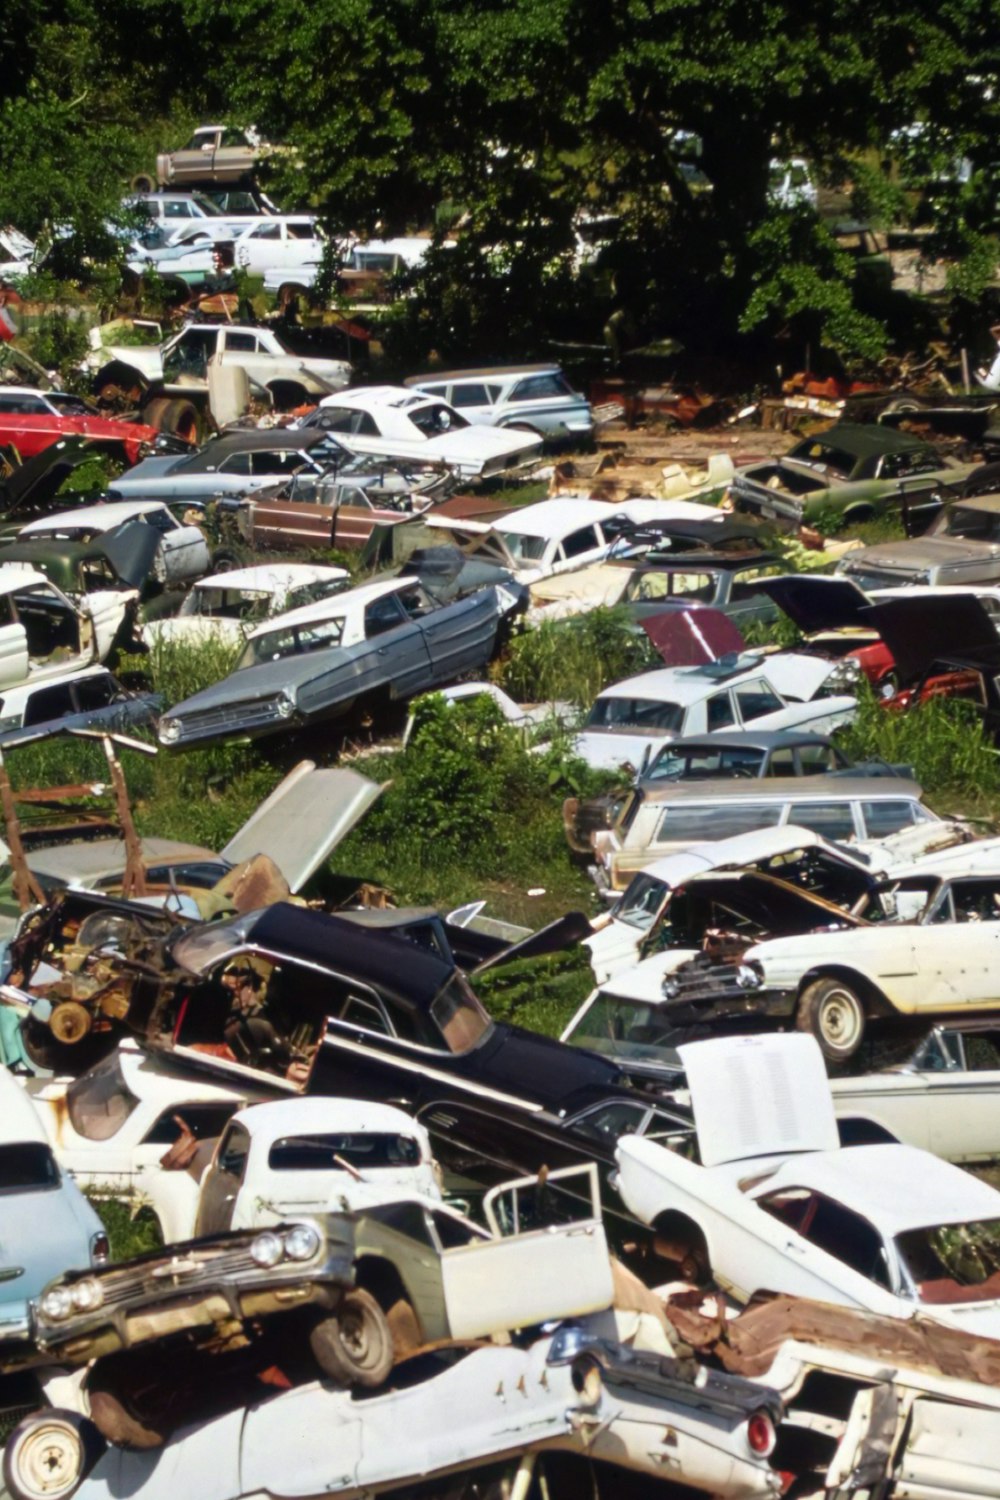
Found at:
[178, 368]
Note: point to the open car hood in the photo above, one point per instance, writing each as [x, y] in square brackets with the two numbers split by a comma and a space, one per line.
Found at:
[37, 481]
[917, 629]
[761, 1095]
[814, 603]
[692, 637]
[130, 549]
[304, 819]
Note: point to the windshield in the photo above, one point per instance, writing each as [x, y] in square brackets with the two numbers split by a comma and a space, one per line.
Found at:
[292, 640]
[459, 1016]
[635, 713]
[632, 1029]
[523, 548]
[436, 419]
[228, 604]
[642, 902]
[100, 1102]
[970, 522]
[198, 948]
[953, 1262]
[209, 209]
[697, 765]
[328, 1153]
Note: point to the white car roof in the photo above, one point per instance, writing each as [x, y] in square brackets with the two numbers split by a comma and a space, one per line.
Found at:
[21, 1120]
[741, 849]
[281, 1117]
[681, 685]
[95, 517]
[148, 1079]
[23, 691]
[271, 578]
[365, 396]
[347, 603]
[553, 518]
[19, 576]
[27, 390]
[895, 1187]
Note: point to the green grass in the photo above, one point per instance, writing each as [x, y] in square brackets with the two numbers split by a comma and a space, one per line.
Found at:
[129, 1233]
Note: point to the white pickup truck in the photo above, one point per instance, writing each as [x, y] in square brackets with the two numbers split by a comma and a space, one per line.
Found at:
[179, 366]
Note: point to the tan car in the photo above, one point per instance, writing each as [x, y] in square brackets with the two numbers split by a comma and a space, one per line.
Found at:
[215, 153]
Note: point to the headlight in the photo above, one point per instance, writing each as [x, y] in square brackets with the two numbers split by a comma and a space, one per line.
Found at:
[671, 989]
[302, 1242]
[87, 1295]
[56, 1304]
[169, 731]
[749, 977]
[267, 1249]
[285, 704]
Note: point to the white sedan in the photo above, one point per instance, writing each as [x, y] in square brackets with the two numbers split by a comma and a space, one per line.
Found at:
[775, 1203]
[289, 243]
[227, 606]
[394, 422]
[183, 552]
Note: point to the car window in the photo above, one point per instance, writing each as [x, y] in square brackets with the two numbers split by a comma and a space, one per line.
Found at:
[48, 703]
[301, 230]
[276, 461]
[243, 343]
[265, 232]
[234, 1151]
[609, 1122]
[177, 211]
[383, 614]
[22, 406]
[458, 1015]
[99, 1102]
[814, 760]
[318, 637]
[756, 699]
[347, 419]
[368, 1013]
[881, 818]
[433, 420]
[834, 820]
[328, 1152]
[698, 824]
[27, 1166]
[647, 586]
[96, 692]
[832, 1228]
[635, 713]
[578, 542]
[236, 463]
[233, 138]
[782, 762]
[976, 900]
[469, 395]
[982, 1051]
[700, 586]
[720, 711]
[745, 583]
[539, 387]
[203, 1120]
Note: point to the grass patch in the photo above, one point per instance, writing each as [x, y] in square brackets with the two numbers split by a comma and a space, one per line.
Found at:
[943, 740]
[539, 993]
[573, 660]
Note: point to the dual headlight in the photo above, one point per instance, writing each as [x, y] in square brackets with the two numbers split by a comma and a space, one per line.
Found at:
[169, 731]
[62, 1301]
[300, 1243]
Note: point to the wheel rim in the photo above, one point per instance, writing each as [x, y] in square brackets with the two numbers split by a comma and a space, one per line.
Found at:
[840, 1020]
[354, 1337]
[49, 1461]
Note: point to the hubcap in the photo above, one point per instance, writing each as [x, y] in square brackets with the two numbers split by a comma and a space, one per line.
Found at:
[50, 1460]
[839, 1020]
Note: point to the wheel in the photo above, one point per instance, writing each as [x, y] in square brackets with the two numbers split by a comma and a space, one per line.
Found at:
[224, 560]
[179, 417]
[355, 1344]
[835, 1015]
[142, 182]
[48, 1454]
[287, 395]
[859, 515]
[114, 1417]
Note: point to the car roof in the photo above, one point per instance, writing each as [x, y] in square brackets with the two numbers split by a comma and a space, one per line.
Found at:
[896, 1187]
[380, 395]
[93, 858]
[253, 438]
[337, 604]
[21, 1120]
[866, 439]
[784, 788]
[435, 377]
[18, 576]
[552, 518]
[748, 739]
[270, 577]
[150, 1078]
[988, 503]
[281, 1117]
[29, 390]
[101, 517]
[683, 684]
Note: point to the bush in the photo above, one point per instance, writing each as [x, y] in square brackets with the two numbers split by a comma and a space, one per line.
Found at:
[573, 660]
[943, 740]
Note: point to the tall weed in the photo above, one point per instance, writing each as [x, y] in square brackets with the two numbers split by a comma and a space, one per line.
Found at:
[943, 740]
[573, 660]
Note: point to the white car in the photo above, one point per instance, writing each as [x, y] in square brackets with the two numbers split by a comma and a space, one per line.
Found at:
[183, 552]
[17, 252]
[44, 634]
[290, 1157]
[111, 1128]
[287, 243]
[775, 1202]
[226, 606]
[392, 421]
[632, 720]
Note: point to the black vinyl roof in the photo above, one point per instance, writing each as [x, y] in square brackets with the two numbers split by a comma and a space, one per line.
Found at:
[390, 964]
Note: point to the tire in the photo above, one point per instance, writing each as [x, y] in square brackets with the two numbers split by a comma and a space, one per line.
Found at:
[142, 182]
[49, 1454]
[114, 1417]
[179, 417]
[835, 1015]
[354, 1345]
[859, 515]
[224, 560]
[288, 394]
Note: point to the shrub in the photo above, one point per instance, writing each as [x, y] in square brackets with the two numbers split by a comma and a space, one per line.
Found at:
[573, 660]
[943, 740]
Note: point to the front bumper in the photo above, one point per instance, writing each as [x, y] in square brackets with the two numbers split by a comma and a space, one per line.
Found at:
[703, 990]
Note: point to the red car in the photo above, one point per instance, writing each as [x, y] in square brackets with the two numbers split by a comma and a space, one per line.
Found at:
[30, 420]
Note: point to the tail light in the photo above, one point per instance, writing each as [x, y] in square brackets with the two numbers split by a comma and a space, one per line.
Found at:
[100, 1249]
[761, 1436]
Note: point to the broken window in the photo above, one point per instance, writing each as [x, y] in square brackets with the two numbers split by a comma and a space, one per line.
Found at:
[834, 1229]
[363, 1151]
[458, 1015]
[100, 1101]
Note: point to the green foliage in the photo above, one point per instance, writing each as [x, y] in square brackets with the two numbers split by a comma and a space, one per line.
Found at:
[943, 740]
[572, 660]
[180, 669]
[129, 1232]
[58, 341]
[540, 993]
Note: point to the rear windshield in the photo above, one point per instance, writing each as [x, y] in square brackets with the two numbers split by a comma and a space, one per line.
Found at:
[523, 548]
[458, 1015]
[635, 713]
[292, 640]
[100, 1102]
[27, 1166]
[700, 765]
[322, 1153]
[642, 902]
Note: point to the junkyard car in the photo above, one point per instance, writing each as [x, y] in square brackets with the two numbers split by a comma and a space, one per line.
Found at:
[308, 1156]
[182, 552]
[397, 423]
[44, 634]
[226, 606]
[215, 153]
[235, 463]
[649, 586]
[926, 951]
[855, 472]
[91, 699]
[959, 547]
[283, 242]
[30, 420]
[775, 1202]
[532, 398]
[319, 661]
[45, 1221]
[359, 1289]
[631, 721]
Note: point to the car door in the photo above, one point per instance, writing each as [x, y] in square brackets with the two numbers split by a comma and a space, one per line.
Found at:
[397, 648]
[106, 609]
[260, 248]
[545, 1260]
[222, 1182]
[964, 1096]
[459, 637]
[957, 947]
[13, 646]
[183, 549]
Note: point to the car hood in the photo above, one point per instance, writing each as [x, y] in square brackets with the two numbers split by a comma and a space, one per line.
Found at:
[41, 1232]
[37, 481]
[130, 550]
[251, 683]
[304, 820]
[692, 637]
[922, 552]
[611, 749]
[469, 447]
[918, 629]
[541, 1069]
[813, 603]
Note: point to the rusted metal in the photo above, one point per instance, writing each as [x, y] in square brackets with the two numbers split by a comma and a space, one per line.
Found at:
[26, 888]
[134, 879]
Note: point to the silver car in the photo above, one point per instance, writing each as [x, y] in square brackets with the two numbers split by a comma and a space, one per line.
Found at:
[531, 398]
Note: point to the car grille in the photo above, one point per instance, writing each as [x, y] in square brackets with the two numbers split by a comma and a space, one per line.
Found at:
[703, 979]
[231, 717]
[138, 1284]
